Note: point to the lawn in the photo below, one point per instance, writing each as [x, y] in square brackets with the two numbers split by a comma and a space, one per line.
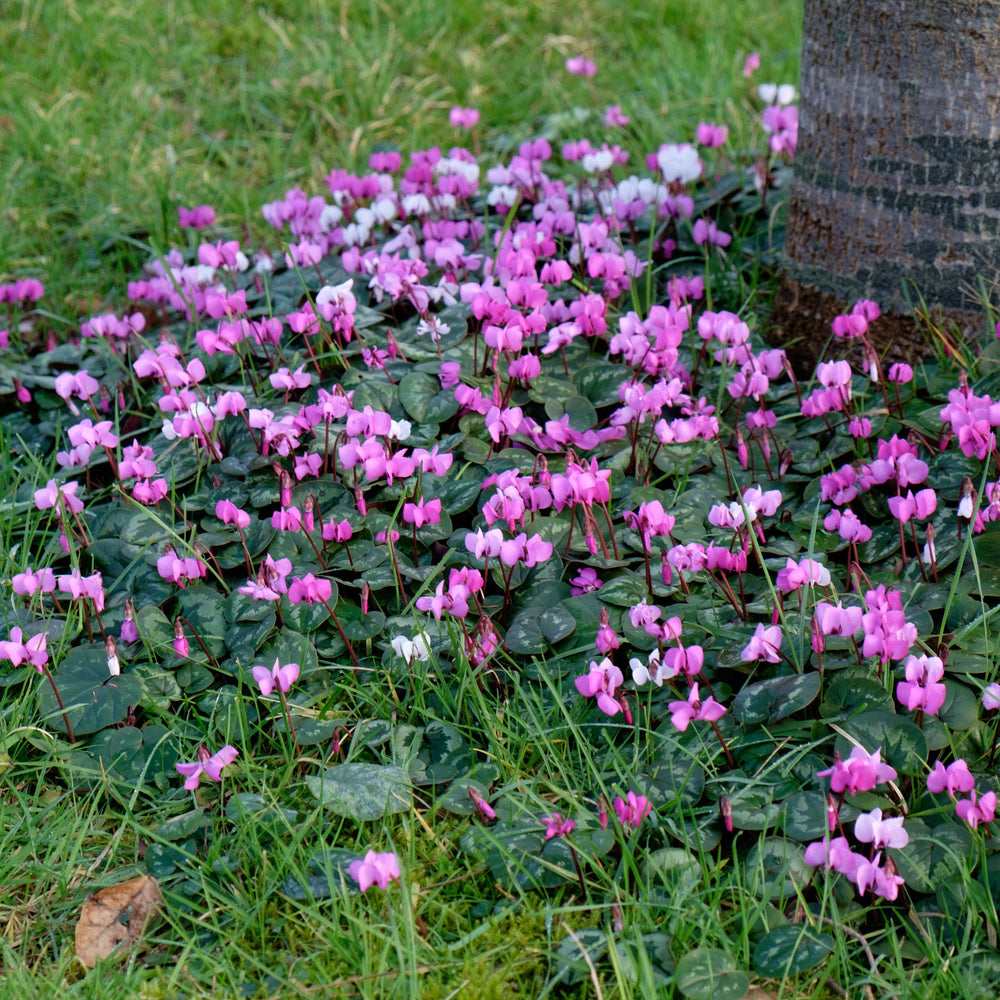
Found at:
[422, 577]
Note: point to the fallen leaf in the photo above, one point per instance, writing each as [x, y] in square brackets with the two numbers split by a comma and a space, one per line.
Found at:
[756, 993]
[114, 916]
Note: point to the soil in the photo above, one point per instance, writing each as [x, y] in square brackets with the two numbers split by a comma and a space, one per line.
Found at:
[801, 319]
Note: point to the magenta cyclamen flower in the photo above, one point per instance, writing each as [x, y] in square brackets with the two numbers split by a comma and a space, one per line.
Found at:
[310, 589]
[461, 117]
[956, 777]
[210, 765]
[922, 688]
[977, 809]
[556, 826]
[859, 773]
[683, 712]
[633, 809]
[764, 644]
[602, 681]
[18, 650]
[277, 676]
[991, 697]
[375, 869]
[228, 513]
[581, 66]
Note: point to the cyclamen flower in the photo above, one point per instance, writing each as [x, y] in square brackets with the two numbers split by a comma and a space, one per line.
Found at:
[922, 688]
[632, 810]
[796, 574]
[375, 869]
[198, 217]
[956, 777]
[278, 676]
[861, 772]
[556, 826]
[210, 765]
[422, 512]
[872, 829]
[580, 66]
[19, 651]
[417, 648]
[228, 513]
[602, 681]
[683, 712]
[309, 589]
[31, 581]
[975, 809]
[991, 697]
[884, 881]
[764, 644]
[463, 117]
[586, 581]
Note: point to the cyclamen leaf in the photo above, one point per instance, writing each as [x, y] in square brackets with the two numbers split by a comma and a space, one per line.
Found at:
[362, 791]
[789, 950]
[710, 974]
[771, 700]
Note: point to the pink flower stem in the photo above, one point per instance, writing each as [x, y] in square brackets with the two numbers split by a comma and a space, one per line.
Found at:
[319, 555]
[343, 635]
[611, 530]
[59, 701]
[395, 567]
[246, 552]
[288, 716]
[916, 546]
[725, 749]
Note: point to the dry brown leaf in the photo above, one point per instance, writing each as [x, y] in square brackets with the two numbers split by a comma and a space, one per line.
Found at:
[114, 916]
[757, 993]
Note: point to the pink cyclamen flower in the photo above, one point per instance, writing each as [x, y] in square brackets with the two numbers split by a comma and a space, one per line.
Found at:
[210, 765]
[797, 574]
[750, 64]
[977, 809]
[310, 589]
[956, 777]
[422, 512]
[228, 513]
[485, 809]
[195, 218]
[278, 676]
[835, 854]
[375, 869]
[463, 117]
[682, 713]
[923, 688]
[602, 681]
[18, 650]
[31, 581]
[556, 826]
[613, 116]
[991, 697]
[883, 880]
[710, 135]
[633, 809]
[587, 581]
[581, 66]
[861, 772]
[764, 644]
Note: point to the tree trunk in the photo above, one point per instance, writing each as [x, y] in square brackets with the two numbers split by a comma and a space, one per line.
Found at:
[896, 195]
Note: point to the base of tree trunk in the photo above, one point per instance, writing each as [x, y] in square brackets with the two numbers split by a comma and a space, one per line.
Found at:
[802, 317]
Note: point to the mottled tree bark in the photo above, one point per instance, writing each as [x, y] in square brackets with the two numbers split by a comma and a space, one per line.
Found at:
[897, 173]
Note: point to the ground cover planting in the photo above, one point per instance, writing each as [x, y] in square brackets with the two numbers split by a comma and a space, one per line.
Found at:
[453, 593]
